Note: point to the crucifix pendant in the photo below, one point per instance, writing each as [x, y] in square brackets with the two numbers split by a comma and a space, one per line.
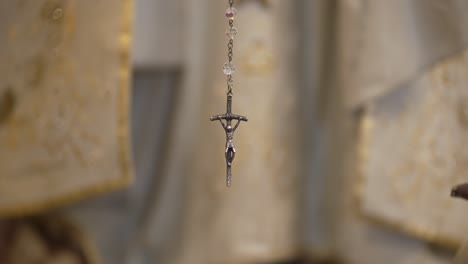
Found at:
[226, 122]
[226, 119]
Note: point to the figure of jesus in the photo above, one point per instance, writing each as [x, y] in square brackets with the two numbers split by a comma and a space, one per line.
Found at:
[230, 151]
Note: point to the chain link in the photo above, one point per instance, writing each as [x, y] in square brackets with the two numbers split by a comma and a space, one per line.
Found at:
[229, 84]
[230, 47]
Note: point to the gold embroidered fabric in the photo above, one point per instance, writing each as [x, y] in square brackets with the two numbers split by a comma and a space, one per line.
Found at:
[415, 152]
[63, 101]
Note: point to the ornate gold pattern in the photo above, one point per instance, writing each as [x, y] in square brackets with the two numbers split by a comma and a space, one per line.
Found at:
[62, 11]
[438, 161]
[258, 59]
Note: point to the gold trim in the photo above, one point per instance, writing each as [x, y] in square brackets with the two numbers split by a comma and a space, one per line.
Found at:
[125, 86]
[122, 133]
[287, 255]
[419, 232]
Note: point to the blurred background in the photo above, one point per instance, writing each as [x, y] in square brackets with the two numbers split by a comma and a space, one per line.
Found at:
[358, 113]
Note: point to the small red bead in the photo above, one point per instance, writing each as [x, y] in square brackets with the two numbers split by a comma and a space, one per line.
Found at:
[231, 13]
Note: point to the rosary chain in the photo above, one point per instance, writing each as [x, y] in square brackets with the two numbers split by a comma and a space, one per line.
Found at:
[230, 81]
[226, 119]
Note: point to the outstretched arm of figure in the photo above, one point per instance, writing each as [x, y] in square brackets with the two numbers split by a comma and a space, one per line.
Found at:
[237, 124]
[222, 123]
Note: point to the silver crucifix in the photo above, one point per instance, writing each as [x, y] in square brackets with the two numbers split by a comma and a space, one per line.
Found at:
[230, 151]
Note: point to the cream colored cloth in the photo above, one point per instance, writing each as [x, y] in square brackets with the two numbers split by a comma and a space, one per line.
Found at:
[64, 72]
[414, 146]
[392, 42]
[403, 40]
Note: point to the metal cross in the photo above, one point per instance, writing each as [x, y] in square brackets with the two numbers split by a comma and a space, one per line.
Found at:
[230, 151]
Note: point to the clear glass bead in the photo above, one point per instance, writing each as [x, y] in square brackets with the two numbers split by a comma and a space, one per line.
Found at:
[231, 13]
[229, 68]
[231, 33]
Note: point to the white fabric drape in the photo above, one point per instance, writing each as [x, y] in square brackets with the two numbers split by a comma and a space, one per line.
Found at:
[383, 47]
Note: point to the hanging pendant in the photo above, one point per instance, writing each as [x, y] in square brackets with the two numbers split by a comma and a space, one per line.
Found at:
[227, 118]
